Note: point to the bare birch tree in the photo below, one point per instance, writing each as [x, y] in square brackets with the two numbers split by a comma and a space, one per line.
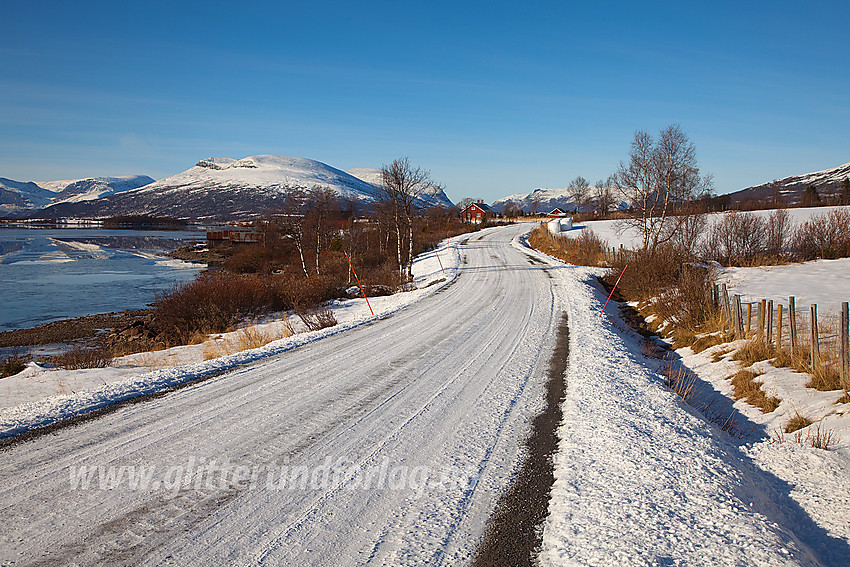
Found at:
[579, 189]
[658, 177]
[406, 188]
[292, 223]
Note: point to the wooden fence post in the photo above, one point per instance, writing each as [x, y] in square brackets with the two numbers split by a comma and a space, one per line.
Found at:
[815, 345]
[739, 317]
[762, 308]
[792, 320]
[779, 327]
[844, 349]
[749, 316]
[769, 321]
[726, 309]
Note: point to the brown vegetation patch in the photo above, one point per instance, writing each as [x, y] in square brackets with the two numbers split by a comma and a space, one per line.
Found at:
[747, 388]
[80, 357]
[754, 350]
[797, 422]
[13, 364]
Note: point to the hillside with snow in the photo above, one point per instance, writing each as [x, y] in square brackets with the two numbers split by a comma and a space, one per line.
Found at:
[225, 189]
[828, 183]
[540, 200]
[374, 176]
[19, 198]
[371, 175]
[73, 191]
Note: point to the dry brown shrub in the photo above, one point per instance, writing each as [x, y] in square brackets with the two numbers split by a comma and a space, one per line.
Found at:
[80, 357]
[822, 438]
[314, 318]
[13, 364]
[797, 422]
[586, 249]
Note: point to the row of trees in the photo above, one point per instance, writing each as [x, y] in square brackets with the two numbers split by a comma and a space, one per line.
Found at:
[314, 230]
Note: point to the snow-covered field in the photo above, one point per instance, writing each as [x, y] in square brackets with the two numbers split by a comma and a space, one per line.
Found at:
[445, 385]
[609, 230]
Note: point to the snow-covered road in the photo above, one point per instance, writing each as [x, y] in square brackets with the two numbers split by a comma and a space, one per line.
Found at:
[386, 444]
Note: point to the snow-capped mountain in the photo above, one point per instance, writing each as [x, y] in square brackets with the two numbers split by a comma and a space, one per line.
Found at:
[540, 200]
[371, 175]
[72, 191]
[374, 176]
[224, 189]
[790, 189]
[18, 198]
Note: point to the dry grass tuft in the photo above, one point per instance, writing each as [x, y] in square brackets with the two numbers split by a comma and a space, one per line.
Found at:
[797, 422]
[681, 381]
[80, 357]
[245, 339]
[746, 388]
[754, 351]
[703, 342]
[825, 378]
[720, 354]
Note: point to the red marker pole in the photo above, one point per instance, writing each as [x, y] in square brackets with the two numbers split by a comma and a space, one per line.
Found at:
[440, 261]
[358, 282]
[612, 290]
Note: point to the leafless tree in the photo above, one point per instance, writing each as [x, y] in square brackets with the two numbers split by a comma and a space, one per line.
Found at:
[658, 176]
[292, 223]
[604, 196]
[406, 188]
[465, 202]
[579, 190]
[778, 232]
[512, 210]
[323, 206]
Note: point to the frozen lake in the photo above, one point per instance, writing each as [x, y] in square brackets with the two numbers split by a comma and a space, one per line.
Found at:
[54, 273]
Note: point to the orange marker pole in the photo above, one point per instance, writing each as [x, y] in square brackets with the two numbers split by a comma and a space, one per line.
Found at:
[612, 290]
[358, 282]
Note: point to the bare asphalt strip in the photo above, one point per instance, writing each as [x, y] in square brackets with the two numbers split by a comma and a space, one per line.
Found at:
[515, 532]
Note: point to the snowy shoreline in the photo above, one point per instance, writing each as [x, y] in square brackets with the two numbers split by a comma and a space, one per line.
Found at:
[41, 396]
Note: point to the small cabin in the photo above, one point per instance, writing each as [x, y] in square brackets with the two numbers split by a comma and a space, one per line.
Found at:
[556, 213]
[477, 212]
[237, 236]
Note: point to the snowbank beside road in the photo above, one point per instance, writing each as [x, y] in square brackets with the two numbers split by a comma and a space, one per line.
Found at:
[643, 479]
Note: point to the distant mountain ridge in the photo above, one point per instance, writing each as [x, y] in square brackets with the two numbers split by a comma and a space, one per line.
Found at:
[225, 189]
[541, 200]
[18, 198]
[790, 189]
[98, 187]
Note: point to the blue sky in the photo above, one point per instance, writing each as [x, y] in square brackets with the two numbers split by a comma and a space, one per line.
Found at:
[493, 97]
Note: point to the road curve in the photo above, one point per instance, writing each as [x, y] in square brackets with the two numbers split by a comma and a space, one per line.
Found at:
[388, 444]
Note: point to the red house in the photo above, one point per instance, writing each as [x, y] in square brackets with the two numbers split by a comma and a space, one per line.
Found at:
[476, 212]
[556, 213]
